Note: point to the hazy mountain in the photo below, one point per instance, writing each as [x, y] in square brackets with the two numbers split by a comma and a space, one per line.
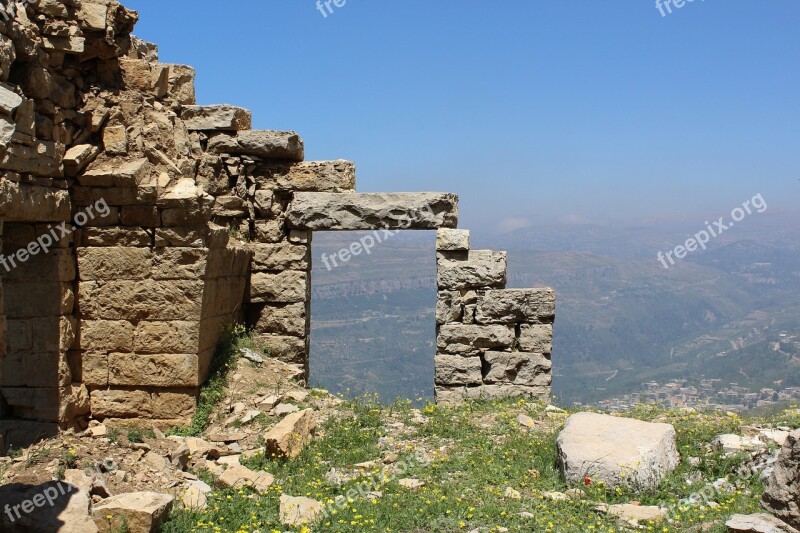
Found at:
[622, 318]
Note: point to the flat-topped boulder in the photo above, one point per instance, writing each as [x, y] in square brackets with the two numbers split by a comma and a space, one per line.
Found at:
[757, 523]
[266, 144]
[322, 211]
[617, 451]
[216, 117]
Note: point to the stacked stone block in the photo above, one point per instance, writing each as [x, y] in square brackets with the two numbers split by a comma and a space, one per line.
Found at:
[491, 342]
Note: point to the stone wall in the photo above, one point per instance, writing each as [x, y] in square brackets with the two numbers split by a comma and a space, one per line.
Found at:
[179, 219]
[491, 342]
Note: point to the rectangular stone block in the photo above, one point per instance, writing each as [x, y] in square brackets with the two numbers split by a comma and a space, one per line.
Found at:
[266, 144]
[33, 403]
[270, 231]
[321, 211]
[471, 270]
[94, 369]
[284, 348]
[281, 256]
[142, 216]
[106, 335]
[153, 370]
[114, 263]
[467, 340]
[140, 300]
[452, 240]
[120, 403]
[288, 319]
[33, 370]
[116, 237]
[216, 117]
[290, 286]
[514, 306]
[537, 338]
[174, 404]
[174, 336]
[56, 265]
[116, 173]
[309, 176]
[455, 370]
[449, 307]
[454, 396]
[180, 263]
[519, 368]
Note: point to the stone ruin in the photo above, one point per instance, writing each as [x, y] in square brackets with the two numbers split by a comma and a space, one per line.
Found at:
[135, 224]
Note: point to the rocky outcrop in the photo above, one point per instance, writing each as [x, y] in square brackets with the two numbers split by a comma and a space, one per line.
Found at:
[782, 492]
[617, 451]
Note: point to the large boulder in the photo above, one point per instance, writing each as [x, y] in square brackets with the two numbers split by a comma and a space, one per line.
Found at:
[617, 451]
[782, 494]
[291, 435]
[757, 523]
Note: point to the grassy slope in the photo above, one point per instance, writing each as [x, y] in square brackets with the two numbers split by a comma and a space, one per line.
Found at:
[475, 452]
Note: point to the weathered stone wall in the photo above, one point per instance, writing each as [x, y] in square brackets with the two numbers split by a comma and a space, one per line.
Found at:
[491, 342]
[182, 219]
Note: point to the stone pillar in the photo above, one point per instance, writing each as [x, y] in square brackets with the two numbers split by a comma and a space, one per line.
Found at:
[491, 342]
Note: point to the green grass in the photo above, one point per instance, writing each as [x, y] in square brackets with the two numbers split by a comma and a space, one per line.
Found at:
[467, 457]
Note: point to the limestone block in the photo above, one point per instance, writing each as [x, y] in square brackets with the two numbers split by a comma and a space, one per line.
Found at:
[143, 76]
[114, 263]
[78, 157]
[513, 306]
[116, 173]
[237, 476]
[456, 395]
[536, 338]
[290, 286]
[115, 237]
[618, 451]
[283, 256]
[291, 435]
[471, 270]
[266, 144]
[92, 15]
[24, 299]
[141, 512]
[452, 240]
[7, 56]
[449, 307]
[369, 211]
[106, 335]
[181, 263]
[120, 403]
[288, 319]
[140, 300]
[174, 404]
[216, 117]
[153, 370]
[284, 348]
[229, 207]
[269, 231]
[454, 370]
[462, 339]
[299, 511]
[140, 216]
[43, 158]
[181, 84]
[309, 176]
[94, 369]
[173, 336]
[24, 202]
[9, 100]
[529, 369]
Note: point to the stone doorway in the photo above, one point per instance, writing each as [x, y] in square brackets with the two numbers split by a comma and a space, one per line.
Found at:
[38, 307]
[373, 313]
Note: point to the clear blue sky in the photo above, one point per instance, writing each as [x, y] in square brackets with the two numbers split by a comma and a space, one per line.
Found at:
[529, 109]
